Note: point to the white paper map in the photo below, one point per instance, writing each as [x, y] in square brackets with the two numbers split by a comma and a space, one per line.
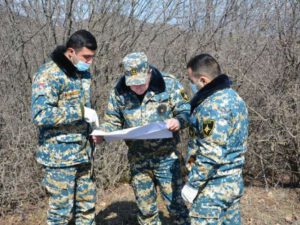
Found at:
[157, 130]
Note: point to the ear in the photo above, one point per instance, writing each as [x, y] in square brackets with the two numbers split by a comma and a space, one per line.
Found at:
[70, 51]
[205, 79]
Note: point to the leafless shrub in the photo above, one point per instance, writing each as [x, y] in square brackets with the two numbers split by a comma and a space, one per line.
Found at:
[256, 42]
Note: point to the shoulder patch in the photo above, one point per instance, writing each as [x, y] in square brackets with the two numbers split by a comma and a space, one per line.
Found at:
[184, 95]
[208, 127]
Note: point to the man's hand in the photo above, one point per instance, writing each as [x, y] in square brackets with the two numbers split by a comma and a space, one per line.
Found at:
[97, 139]
[173, 124]
[91, 116]
[188, 193]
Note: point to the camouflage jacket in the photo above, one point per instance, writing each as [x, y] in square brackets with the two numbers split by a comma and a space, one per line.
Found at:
[164, 99]
[59, 93]
[219, 129]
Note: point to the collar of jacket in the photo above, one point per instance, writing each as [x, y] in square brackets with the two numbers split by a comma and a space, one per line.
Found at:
[219, 83]
[63, 62]
[157, 83]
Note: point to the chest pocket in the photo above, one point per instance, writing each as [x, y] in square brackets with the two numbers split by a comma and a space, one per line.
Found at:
[131, 111]
[70, 97]
[159, 107]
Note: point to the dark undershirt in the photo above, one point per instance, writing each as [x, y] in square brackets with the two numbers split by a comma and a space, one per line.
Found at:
[141, 97]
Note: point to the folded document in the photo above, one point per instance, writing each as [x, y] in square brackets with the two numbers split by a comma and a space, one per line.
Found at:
[157, 130]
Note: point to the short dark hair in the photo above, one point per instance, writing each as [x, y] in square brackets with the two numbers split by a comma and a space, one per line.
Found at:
[81, 39]
[204, 63]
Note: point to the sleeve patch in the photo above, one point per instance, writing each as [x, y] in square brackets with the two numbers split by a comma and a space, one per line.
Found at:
[184, 95]
[208, 127]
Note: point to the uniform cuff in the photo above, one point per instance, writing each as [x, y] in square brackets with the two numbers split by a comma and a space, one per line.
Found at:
[181, 122]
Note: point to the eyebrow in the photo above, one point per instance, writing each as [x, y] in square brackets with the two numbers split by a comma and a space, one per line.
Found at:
[90, 55]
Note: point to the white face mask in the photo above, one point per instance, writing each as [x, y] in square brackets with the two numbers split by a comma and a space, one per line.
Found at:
[80, 65]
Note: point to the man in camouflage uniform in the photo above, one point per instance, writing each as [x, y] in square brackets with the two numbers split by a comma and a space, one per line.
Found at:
[61, 110]
[145, 95]
[219, 129]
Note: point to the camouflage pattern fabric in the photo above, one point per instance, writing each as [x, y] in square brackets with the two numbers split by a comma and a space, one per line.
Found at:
[57, 102]
[59, 93]
[165, 172]
[152, 162]
[218, 203]
[136, 68]
[63, 185]
[216, 153]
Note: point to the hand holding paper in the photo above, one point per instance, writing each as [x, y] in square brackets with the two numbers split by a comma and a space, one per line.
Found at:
[157, 130]
[173, 124]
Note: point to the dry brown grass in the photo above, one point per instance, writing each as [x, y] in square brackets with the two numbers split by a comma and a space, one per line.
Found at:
[117, 207]
[271, 207]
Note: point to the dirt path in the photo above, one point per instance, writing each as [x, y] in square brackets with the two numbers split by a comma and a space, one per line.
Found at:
[117, 207]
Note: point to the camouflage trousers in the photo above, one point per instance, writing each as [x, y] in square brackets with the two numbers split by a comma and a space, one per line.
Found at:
[72, 195]
[163, 171]
[218, 202]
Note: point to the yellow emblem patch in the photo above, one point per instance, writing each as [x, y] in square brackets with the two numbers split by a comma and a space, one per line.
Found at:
[133, 72]
[208, 127]
[184, 95]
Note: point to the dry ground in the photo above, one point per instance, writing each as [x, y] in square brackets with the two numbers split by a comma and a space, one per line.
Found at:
[117, 207]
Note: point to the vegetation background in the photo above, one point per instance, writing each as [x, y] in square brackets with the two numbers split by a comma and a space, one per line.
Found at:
[257, 43]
